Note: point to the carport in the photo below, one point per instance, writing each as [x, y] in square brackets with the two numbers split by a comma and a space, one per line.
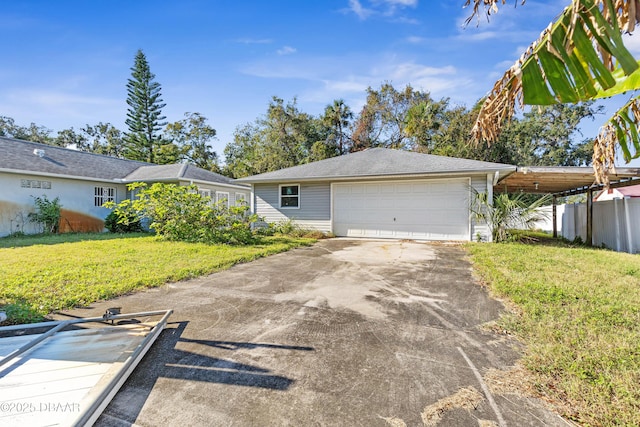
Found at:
[564, 181]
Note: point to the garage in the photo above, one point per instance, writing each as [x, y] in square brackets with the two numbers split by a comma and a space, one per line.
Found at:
[417, 209]
[379, 193]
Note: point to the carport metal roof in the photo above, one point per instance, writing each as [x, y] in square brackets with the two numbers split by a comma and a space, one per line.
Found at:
[561, 181]
[564, 181]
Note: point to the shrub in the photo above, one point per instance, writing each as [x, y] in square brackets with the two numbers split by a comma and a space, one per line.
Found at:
[123, 222]
[507, 212]
[265, 229]
[180, 213]
[47, 214]
[20, 312]
[290, 228]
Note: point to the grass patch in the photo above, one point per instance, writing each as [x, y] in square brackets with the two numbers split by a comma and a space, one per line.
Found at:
[41, 275]
[578, 311]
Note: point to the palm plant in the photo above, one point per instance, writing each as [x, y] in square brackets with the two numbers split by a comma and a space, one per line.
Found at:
[579, 57]
[507, 212]
[337, 118]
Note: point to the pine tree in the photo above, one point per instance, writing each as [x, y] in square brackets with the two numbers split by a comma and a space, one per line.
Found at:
[144, 115]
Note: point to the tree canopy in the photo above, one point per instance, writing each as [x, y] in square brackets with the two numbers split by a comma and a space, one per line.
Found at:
[405, 119]
[192, 135]
[143, 140]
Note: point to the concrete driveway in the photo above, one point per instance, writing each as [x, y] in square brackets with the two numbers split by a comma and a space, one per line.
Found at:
[344, 333]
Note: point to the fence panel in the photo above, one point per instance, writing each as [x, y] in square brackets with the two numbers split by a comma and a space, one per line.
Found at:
[616, 223]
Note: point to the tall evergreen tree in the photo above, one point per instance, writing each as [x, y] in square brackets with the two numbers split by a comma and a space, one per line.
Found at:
[144, 141]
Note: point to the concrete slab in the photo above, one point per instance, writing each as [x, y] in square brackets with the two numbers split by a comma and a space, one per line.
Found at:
[346, 332]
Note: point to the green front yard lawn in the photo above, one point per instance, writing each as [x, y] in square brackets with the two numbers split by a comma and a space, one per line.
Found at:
[578, 312]
[39, 275]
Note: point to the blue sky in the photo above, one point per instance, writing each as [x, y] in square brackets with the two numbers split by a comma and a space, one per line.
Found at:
[65, 63]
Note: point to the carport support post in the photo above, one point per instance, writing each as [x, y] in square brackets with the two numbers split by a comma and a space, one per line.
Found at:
[589, 241]
[555, 216]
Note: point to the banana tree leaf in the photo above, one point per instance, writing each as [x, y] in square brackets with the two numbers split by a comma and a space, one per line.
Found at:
[584, 85]
[537, 92]
[623, 84]
[558, 77]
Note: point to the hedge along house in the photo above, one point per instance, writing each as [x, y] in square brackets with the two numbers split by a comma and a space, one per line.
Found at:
[379, 193]
[83, 182]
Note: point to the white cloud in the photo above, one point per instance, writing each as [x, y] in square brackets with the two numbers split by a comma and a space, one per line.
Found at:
[385, 8]
[323, 79]
[356, 7]
[412, 3]
[286, 50]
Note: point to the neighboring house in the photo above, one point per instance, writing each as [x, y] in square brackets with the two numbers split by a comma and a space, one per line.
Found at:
[84, 181]
[379, 193]
[631, 191]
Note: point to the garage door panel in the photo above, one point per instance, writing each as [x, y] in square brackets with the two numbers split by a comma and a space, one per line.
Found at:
[425, 209]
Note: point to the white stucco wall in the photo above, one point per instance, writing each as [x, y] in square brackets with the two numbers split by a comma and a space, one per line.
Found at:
[77, 198]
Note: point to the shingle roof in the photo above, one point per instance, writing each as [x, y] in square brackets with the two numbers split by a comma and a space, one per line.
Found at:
[177, 171]
[19, 155]
[377, 162]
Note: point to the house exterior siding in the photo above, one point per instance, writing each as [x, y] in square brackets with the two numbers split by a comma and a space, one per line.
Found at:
[314, 209]
[77, 198]
[316, 205]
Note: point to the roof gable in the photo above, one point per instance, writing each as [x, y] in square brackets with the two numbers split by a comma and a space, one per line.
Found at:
[21, 155]
[177, 171]
[378, 162]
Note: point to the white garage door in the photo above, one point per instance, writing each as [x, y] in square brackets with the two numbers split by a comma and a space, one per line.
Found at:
[425, 209]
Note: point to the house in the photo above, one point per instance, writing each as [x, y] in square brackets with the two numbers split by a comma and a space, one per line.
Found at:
[84, 181]
[380, 193]
[631, 191]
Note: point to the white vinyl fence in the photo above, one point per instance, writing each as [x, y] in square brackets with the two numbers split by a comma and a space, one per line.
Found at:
[616, 223]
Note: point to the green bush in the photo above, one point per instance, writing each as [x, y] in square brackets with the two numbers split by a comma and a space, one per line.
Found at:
[123, 222]
[47, 214]
[20, 312]
[290, 228]
[180, 213]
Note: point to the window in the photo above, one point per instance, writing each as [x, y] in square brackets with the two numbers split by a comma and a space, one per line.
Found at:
[102, 195]
[222, 197]
[32, 183]
[204, 192]
[241, 199]
[290, 196]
